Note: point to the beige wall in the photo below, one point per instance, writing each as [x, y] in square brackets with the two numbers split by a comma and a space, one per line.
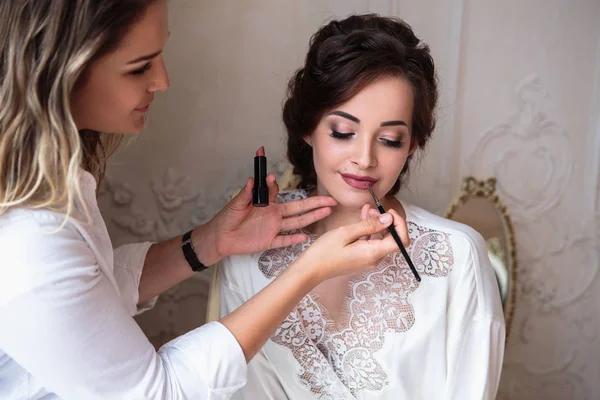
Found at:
[520, 100]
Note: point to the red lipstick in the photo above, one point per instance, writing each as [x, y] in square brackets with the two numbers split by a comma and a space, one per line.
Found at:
[359, 182]
[260, 191]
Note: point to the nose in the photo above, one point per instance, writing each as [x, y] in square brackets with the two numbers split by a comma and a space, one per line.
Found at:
[364, 156]
[160, 78]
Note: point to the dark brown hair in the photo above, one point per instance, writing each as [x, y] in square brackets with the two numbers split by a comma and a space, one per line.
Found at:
[344, 57]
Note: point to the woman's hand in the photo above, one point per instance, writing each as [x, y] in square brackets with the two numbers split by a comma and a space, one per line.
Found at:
[241, 228]
[368, 212]
[337, 252]
[353, 248]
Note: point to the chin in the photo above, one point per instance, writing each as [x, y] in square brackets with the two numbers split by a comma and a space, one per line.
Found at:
[136, 127]
[351, 198]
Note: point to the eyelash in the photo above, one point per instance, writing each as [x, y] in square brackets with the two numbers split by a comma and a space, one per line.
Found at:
[345, 136]
[339, 135]
[140, 71]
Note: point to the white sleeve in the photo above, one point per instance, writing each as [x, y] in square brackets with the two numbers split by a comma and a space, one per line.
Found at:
[475, 363]
[64, 323]
[129, 262]
[263, 382]
[476, 334]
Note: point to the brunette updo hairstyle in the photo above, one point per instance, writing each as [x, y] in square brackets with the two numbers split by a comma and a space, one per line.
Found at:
[344, 57]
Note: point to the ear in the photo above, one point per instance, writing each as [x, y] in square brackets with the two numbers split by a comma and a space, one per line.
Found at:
[308, 139]
[414, 143]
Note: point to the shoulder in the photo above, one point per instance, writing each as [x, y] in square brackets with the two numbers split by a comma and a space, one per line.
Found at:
[471, 270]
[34, 227]
[463, 238]
[37, 246]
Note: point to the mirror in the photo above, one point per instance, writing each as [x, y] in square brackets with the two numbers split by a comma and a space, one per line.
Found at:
[479, 206]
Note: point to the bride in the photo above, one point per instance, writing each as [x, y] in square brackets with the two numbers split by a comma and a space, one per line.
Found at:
[356, 113]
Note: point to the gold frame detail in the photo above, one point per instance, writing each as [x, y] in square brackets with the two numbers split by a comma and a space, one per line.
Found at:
[486, 189]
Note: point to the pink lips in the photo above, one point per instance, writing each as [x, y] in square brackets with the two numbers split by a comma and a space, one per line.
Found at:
[143, 109]
[359, 182]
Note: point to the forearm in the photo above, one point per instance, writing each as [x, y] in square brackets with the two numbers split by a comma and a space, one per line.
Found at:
[165, 265]
[255, 321]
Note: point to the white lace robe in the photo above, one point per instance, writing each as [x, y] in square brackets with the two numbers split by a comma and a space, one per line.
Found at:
[396, 338]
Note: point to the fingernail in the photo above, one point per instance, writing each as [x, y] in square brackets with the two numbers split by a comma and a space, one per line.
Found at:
[385, 218]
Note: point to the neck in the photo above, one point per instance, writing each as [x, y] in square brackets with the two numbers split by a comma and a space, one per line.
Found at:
[341, 215]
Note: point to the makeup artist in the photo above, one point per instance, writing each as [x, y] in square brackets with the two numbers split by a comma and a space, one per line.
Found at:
[69, 70]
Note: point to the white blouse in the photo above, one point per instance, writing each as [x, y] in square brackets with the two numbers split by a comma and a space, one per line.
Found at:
[393, 338]
[66, 326]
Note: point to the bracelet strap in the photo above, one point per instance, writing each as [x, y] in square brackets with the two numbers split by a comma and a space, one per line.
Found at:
[190, 253]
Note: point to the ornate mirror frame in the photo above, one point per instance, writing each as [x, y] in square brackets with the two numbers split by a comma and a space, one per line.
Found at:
[486, 189]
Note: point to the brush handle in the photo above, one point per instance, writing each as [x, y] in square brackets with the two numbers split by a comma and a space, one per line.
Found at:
[400, 245]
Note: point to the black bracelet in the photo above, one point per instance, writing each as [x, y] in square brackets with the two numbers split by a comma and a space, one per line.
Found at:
[190, 254]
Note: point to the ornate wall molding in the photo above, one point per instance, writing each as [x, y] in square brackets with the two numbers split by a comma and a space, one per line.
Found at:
[177, 203]
[532, 157]
[525, 384]
[530, 140]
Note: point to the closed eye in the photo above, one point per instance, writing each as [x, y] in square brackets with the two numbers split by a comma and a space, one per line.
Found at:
[140, 71]
[339, 135]
[392, 143]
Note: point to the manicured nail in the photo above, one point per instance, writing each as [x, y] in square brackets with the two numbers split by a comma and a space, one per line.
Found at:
[385, 218]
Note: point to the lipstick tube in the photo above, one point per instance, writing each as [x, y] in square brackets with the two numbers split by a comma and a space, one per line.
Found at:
[260, 191]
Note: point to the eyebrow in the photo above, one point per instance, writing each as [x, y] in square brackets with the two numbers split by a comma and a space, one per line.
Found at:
[394, 123]
[144, 58]
[345, 115]
[357, 120]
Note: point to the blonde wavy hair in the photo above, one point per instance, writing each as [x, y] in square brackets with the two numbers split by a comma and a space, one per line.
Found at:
[46, 47]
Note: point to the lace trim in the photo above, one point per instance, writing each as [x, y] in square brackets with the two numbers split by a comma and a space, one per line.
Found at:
[337, 359]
